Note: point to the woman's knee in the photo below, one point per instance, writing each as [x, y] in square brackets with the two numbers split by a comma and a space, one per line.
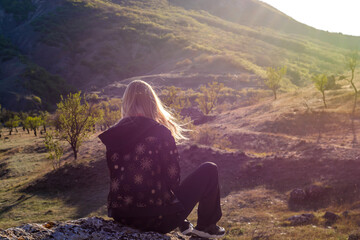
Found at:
[210, 168]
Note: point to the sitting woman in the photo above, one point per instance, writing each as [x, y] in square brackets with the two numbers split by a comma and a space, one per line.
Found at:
[145, 189]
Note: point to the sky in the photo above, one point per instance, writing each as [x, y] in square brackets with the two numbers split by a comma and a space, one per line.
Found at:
[329, 15]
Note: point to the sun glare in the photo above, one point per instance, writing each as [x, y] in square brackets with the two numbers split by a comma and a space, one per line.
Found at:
[333, 16]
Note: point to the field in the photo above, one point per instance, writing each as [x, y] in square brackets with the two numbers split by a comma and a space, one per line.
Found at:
[271, 148]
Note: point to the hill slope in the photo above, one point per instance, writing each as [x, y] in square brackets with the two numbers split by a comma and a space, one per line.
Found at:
[92, 43]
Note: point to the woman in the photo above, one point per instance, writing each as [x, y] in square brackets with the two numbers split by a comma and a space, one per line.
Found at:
[145, 189]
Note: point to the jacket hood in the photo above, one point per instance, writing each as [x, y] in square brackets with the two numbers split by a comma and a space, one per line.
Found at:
[128, 131]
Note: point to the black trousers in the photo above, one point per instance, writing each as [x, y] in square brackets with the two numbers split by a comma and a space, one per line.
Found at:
[201, 186]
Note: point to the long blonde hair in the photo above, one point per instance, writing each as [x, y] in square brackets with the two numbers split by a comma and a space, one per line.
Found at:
[140, 99]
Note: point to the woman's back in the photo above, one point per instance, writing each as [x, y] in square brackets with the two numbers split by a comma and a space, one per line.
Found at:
[144, 171]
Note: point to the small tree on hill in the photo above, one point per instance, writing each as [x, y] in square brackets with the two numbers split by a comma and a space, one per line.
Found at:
[320, 81]
[54, 149]
[209, 96]
[44, 115]
[352, 62]
[110, 112]
[12, 123]
[175, 99]
[76, 119]
[274, 77]
[34, 123]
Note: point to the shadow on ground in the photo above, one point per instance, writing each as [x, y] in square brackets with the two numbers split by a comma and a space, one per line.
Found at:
[84, 186]
[237, 171]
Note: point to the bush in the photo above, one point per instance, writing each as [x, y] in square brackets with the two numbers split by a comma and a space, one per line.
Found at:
[76, 119]
[54, 149]
[209, 96]
[19, 8]
[45, 86]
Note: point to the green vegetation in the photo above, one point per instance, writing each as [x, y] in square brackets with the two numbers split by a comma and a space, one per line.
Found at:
[321, 81]
[209, 96]
[12, 123]
[54, 149]
[110, 112]
[352, 62]
[34, 123]
[45, 86]
[7, 49]
[175, 99]
[172, 31]
[76, 118]
[19, 8]
[274, 77]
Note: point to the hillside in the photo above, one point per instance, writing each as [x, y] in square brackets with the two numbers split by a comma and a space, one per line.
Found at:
[89, 44]
[268, 149]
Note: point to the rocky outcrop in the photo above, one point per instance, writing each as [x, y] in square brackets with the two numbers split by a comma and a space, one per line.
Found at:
[312, 197]
[84, 228]
[303, 219]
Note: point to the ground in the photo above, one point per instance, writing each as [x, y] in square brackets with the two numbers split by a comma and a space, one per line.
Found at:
[268, 149]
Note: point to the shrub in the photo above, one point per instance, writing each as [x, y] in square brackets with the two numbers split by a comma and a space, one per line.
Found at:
[207, 135]
[209, 96]
[76, 119]
[54, 149]
[19, 8]
[274, 76]
[320, 82]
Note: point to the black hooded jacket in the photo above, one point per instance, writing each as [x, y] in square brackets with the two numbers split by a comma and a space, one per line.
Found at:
[144, 168]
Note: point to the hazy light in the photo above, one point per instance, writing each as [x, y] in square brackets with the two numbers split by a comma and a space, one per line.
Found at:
[329, 15]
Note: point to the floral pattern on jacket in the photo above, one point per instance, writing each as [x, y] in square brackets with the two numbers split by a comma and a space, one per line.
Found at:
[145, 174]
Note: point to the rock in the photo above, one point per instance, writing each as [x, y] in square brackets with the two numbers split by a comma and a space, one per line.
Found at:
[297, 199]
[354, 236]
[84, 228]
[303, 219]
[312, 197]
[195, 114]
[317, 196]
[331, 218]
[345, 214]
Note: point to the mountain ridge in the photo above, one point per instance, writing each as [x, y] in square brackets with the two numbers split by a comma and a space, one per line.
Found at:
[90, 44]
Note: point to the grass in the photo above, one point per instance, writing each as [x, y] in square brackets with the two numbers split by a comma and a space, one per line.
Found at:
[45, 85]
[33, 192]
[261, 213]
[158, 25]
[19, 8]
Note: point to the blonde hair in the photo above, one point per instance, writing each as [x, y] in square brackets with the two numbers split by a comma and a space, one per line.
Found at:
[140, 99]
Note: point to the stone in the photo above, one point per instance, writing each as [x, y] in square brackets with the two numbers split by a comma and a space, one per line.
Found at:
[195, 114]
[312, 197]
[297, 199]
[84, 228]
[331, 218]
[303, 219]
[354, 236]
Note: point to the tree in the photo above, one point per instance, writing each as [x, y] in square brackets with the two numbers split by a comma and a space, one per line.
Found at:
[12, 123]
[34, 123]
[76, 120]
[274, 76]
[175, 99]
[110, 112]
[351, 63]
[209, 96]
[54, 148]
[320, 81]
[23, 116]
[44, 115]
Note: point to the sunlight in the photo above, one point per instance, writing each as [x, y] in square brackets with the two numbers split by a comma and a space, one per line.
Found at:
[332, 16]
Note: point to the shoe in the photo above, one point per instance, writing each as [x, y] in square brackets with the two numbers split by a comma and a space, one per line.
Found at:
[212, 231]
[186, 227]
